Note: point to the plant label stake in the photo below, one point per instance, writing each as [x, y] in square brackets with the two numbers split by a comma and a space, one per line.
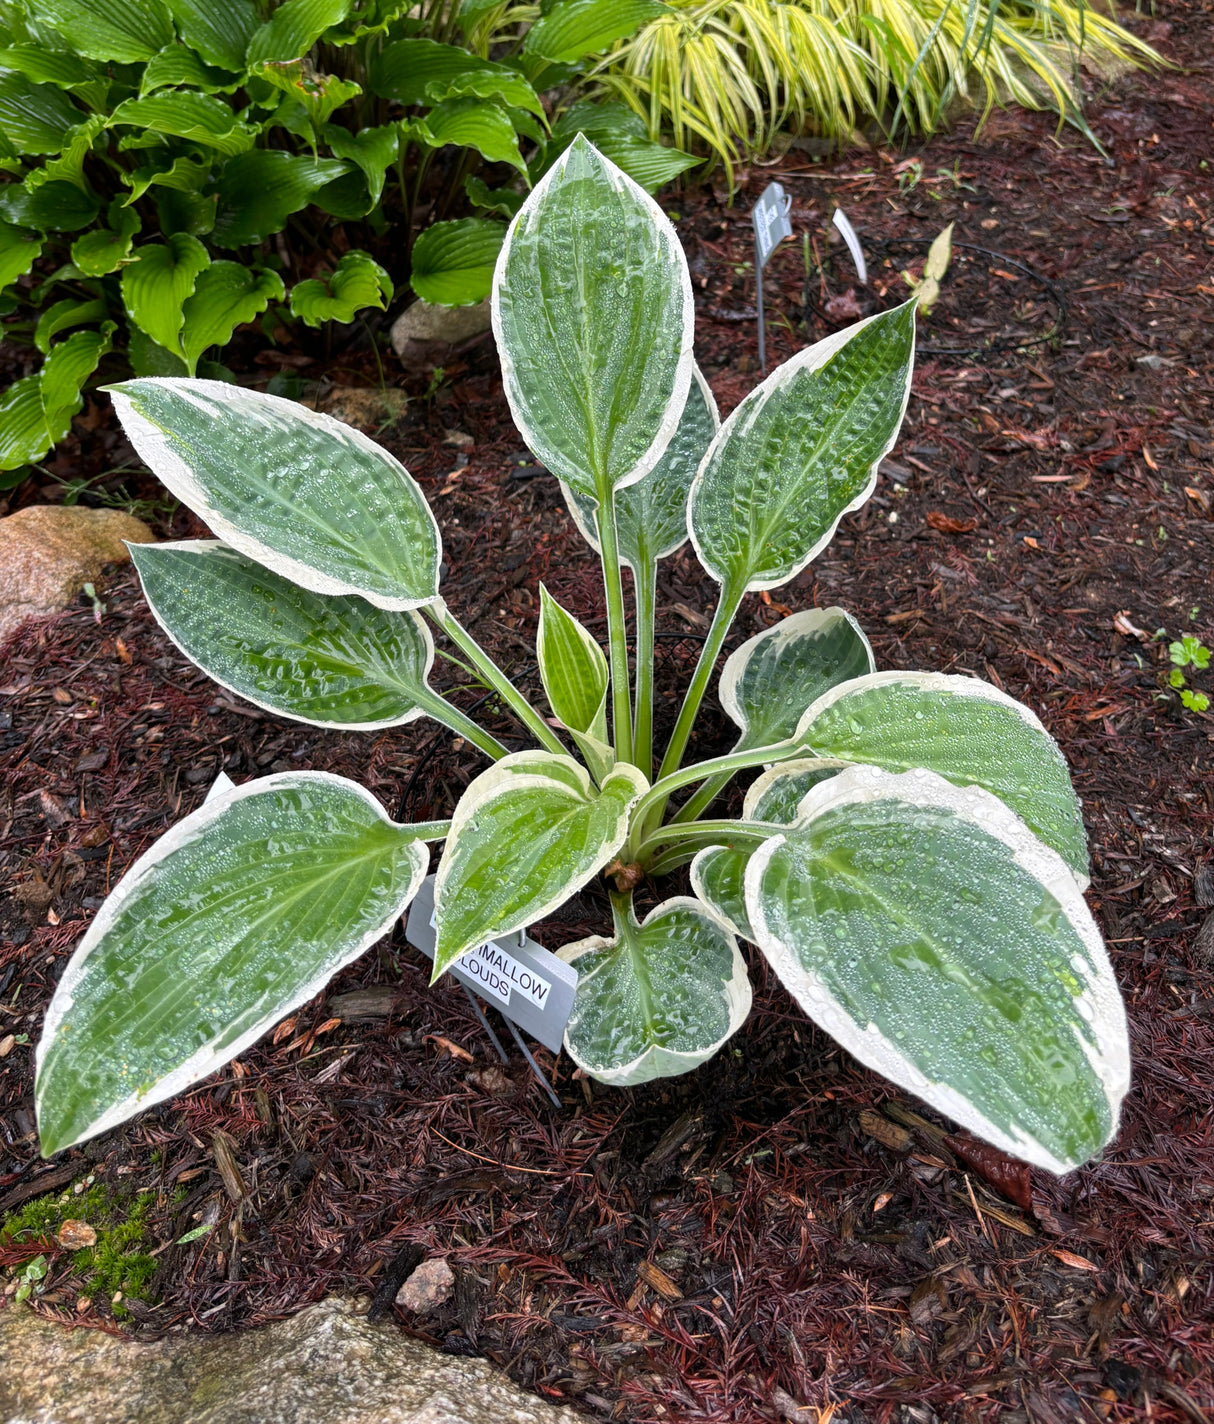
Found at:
[848, 234]
[523, 981]
[770, 217]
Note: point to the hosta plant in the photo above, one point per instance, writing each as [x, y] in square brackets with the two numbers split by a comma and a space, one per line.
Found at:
[910, 859]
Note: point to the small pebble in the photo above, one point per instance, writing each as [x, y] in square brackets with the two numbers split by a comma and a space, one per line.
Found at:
[76, 1235]
[427, 1288]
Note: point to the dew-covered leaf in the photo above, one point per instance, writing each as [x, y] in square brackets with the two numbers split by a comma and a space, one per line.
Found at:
[778, 793]
[718, 872]
[768, 683]
[241, 913]
[658, 998]
[925, 928]
[800, 452]
[333, 661]
[717, 875]
[593, 315]
[651, 515]
[527, 834]
[968, 731]
[573, 669]
[293, 489]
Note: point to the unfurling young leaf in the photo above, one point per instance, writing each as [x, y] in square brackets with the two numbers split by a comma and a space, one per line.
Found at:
[573, 669]
[927, 288]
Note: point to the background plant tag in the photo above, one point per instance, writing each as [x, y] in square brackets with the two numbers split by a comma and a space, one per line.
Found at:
[771, 222]
[533, 988]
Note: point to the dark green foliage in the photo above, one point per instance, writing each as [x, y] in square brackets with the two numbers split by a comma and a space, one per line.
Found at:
[177, 166]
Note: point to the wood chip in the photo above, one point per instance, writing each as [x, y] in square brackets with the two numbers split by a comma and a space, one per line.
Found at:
[1069, 1258]
[224, 1148]
[889, 1134]
[655, 1277]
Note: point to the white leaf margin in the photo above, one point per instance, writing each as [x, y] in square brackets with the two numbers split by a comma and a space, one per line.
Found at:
[157, 453]
[205, 1061]
[812, 359]
[1100, 1003]
[657, 1061]
[588, 530]
[667, 248]
[523, 771]
[953, 684]
[755, 792]
[704, 894]
[594, 652]
[797, 625]
[216, 546]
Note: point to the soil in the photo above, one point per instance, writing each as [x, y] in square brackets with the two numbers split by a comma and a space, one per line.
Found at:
[780, 1234]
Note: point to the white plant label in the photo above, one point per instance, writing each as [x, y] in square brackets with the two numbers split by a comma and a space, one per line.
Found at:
[530, 986]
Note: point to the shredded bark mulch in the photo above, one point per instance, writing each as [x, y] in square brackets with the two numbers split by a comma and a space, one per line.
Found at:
[779, 1235]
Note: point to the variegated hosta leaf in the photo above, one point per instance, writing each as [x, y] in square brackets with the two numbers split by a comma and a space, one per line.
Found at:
[718, 872]
[773, 677]
[573, 669]
[240, 913]
[659, 998]
[526, 835]
[928, 930]
[778, 793]
[593, 315]
[966, 730]
[800, 452]
[295, 490]
[332, 661]
[651, 515]
[717, 875]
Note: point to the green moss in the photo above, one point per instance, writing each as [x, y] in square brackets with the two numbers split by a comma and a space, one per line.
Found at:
[120, 1219]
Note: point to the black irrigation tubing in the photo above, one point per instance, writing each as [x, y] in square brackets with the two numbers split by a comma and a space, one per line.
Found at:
[992, 348]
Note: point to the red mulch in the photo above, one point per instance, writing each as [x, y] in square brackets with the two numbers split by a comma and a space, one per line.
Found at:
[774, 1230]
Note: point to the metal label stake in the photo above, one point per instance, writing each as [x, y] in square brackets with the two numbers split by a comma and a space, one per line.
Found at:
[528, 986]
[770, 217]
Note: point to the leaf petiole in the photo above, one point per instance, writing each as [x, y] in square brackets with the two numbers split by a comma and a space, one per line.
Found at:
[444, 619]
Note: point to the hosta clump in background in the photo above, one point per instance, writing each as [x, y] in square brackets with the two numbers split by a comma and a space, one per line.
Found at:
[910, 859]
[170, 162]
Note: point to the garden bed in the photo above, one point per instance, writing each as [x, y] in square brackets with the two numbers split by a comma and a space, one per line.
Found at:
[773, 1229]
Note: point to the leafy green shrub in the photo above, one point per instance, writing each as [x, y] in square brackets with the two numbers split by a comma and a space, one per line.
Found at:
[910, 863]
[171, 162]
[724, 76]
